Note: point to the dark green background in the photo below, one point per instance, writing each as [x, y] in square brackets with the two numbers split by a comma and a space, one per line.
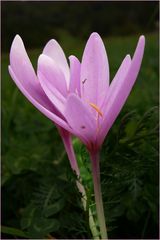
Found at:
[37, 21]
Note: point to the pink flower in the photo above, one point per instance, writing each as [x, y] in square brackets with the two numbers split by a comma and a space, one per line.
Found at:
[80, 99]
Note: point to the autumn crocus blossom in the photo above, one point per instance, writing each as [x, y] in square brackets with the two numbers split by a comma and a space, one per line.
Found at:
[80, 99]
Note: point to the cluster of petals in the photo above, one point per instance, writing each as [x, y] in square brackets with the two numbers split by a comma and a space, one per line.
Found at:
[78, 97]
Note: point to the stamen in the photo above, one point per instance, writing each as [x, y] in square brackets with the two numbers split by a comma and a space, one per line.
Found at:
[96, 108]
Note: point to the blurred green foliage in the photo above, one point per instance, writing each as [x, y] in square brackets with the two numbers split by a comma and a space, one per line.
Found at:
[39, 194]
[39, 21]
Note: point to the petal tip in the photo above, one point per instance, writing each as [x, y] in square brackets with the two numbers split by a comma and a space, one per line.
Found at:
[17, 36]
[41, 56]
[17, 40]
[51, 41]
[43, 62]
[9, 68]
[128, 56]
[17, 49]
[95, 36]
[49, 45]
[142, 39]
[44, 59]
[71, 57]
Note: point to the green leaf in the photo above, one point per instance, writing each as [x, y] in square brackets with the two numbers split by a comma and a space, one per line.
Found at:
[28, 216]
[53, 208]
[13, 231]
[131, 128]
[37, 225]
[42, 227]
[46, 225]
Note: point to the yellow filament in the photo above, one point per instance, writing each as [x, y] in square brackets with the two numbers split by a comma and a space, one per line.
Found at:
[96, 108]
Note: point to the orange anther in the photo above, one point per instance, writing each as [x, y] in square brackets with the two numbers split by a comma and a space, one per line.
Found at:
[96, 108]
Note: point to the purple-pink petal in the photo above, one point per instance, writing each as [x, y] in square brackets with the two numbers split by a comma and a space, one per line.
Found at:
[47, 112]
[80, 118]
[94, 71]
[53, 74]
[117, 80]
[119, 94]
[75, 68]
[54, 51]
[21, 65]
[56, 98]
[25, 74]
